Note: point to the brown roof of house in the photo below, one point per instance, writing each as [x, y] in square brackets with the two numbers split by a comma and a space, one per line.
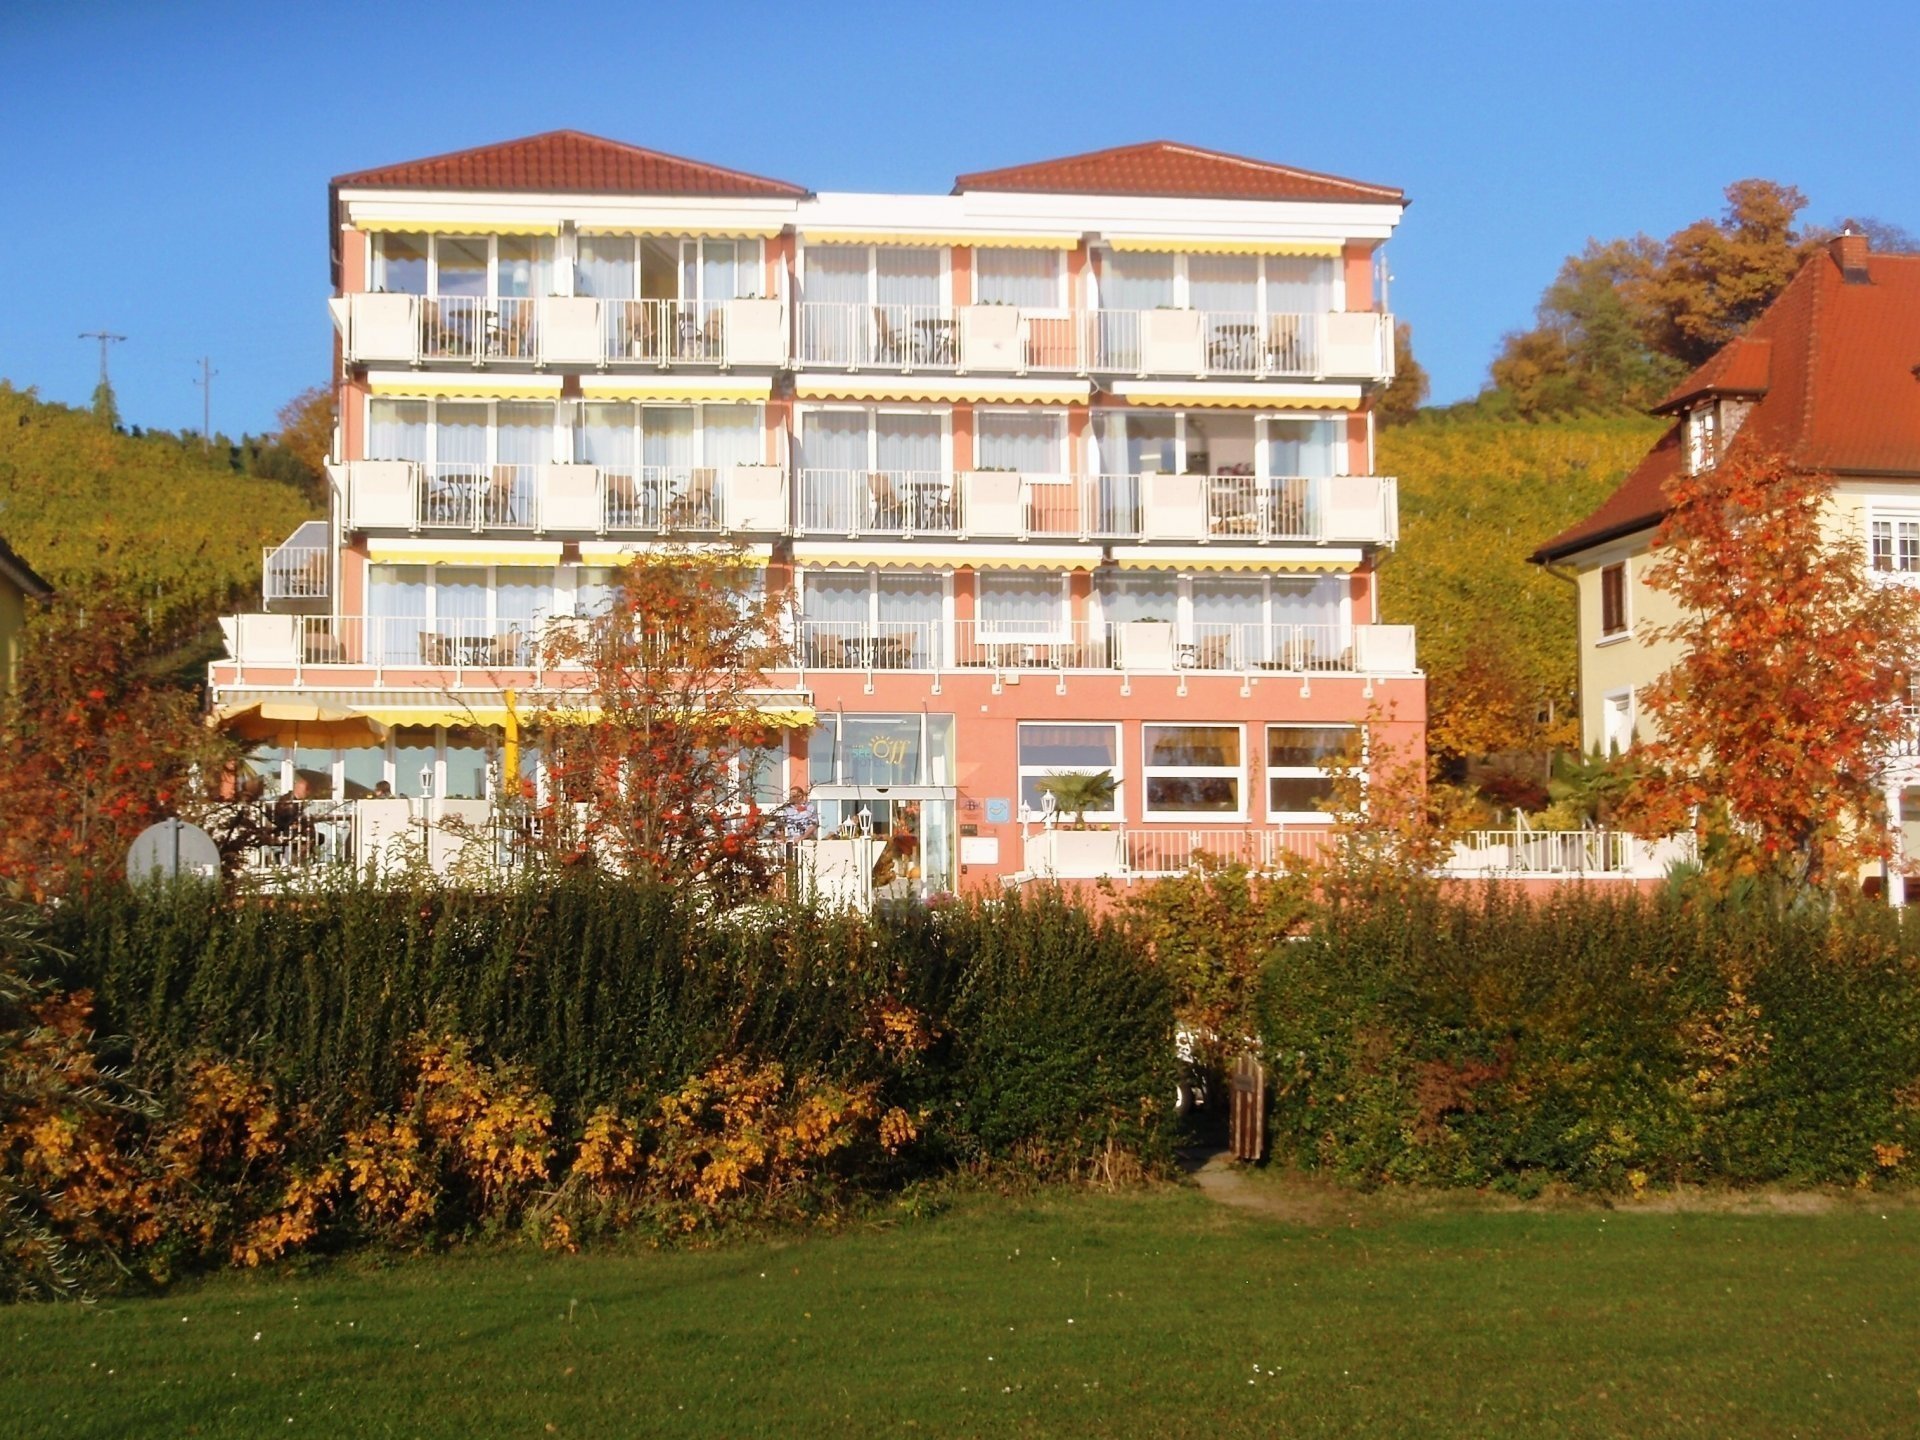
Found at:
[1165, 167]
[1835, 365]
[569, 161]
[21, 573]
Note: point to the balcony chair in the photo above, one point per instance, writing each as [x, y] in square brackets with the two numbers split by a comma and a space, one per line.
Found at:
[889, 345]
[696, 508]
[503, 499]
[622, 502]
[437, 649]
[884, 509]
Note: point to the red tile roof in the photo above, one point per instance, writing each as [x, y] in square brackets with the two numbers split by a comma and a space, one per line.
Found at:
[568, 161]
[1836, 367]
[1739, 367]
[1163, 167]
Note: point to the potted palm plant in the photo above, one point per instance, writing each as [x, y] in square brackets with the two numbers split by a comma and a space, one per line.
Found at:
[1077, 849]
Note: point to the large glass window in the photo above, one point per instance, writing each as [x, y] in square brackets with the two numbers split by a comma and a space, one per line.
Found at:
[1302, 447]
[468, 751]
[1193, 770]
[1027, 441]
[877, 750]
[1048, 749]
[400, 264]
[1298, 781]
[1300, 285]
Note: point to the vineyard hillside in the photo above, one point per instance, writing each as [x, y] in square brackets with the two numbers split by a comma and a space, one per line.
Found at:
[151, 519]
[1496, 635]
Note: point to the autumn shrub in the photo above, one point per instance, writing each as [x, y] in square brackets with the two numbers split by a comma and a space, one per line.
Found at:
[1601, 1040]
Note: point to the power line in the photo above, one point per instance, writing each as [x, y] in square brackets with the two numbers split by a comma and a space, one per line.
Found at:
[106, 338]
[205, 382]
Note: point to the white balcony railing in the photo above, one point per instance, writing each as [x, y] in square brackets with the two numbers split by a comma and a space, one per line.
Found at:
[296, 572]
[300, 567]
[1006, 339]
[564, 330]
[1082, 645]
[1243, 343]
[565, 499]
[1605, 853]
[1175, 851]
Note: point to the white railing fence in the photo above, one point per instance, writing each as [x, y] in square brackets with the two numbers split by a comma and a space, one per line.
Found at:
[460, 495]
[296, 572]
[877, 502]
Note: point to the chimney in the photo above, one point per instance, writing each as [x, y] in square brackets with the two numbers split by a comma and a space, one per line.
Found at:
[1849, 251]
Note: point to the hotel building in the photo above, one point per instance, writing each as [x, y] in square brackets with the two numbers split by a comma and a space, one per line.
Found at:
[1069, 469]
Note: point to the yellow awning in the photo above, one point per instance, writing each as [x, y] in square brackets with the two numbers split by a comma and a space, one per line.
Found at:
[465, 387]
[692, 390]
[402, 225]
[610, 552]
[490, 716]
[541, 553]
[1201, 245]
[494, 717]
[791, 717]
[718, 230]
[910, 237]
[1229, 397]
[995, 392]
[905, 556]
[1190, 559]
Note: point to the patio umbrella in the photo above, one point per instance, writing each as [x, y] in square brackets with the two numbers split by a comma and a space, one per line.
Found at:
[299, 723]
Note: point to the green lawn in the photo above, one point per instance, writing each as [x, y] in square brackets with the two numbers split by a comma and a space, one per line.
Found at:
[1159, 1313]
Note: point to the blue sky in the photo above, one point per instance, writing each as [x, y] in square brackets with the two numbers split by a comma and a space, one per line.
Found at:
[168, 162]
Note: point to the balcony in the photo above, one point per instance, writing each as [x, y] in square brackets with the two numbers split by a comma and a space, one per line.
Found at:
[300, 568]
[1205, 344]
[1201, 509]
[996, 339]
[418, 330]
[1142, 647]
[1132, 647]
[466, 498]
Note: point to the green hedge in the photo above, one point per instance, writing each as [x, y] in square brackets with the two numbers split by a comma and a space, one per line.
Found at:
[1606, 1040]
[1049, 1038]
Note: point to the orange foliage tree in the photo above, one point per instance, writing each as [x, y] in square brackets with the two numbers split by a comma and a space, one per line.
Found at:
[1775, 720]
[647, 756]
[96, 748]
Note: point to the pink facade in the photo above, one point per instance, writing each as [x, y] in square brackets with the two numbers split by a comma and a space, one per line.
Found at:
[1083, 482]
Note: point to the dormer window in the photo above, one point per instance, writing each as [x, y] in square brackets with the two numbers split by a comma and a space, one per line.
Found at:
[1703, 437]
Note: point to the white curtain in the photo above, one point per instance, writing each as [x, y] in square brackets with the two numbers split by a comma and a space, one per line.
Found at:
[836, 597]
[1014, 602]
[397, 430]
[1137, 597]
[606, 438]
[1302, 447]
[525, 265]
[460, 600]
[1223, 283]
[906, 277]
[834, 440]
[397, 593]
[722, 273]
[834, 273]
[729, 436]
[914, 599]
[908, 442]
[1026, 442]
[1226, 600]
[1136, 282]
[1134, 444]
[460, 435]
[1307, 602]
[605, 269]
[524, 434]
[1299, 285]
[666, 435]
[1028, 278]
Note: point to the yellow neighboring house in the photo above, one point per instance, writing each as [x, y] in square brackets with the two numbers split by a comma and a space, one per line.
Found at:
[18, 584]
[1829, 378]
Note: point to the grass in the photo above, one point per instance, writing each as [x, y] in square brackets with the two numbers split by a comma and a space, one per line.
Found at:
[1141, 1313]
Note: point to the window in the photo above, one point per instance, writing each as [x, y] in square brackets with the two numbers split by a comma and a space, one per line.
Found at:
[1896, 544]
[1702, 437]
[1048, 749]
[882, 750]
[1613, 599]
[1192, 770]
[1298, 781]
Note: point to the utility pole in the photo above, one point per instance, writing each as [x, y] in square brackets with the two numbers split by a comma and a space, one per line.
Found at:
[106, 338]
[205, 382]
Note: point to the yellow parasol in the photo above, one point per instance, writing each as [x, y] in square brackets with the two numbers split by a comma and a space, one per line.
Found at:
[298, 723]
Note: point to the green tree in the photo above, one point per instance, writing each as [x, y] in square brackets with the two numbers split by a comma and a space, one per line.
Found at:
[1402, 400]
[1077, 791]
[1586, 350]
